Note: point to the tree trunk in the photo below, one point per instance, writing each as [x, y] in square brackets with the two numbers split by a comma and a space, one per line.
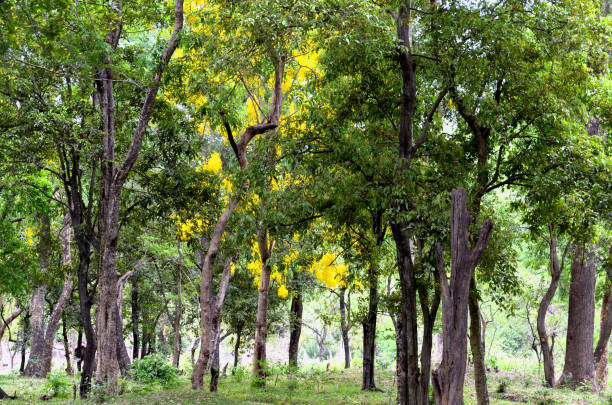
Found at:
[400, 361]
[176, 347]
[581, 320]
[295, 326]
[135, 319]
[69, 370]
[236, 348]
[555, 272]
[448, 379]
[24, 341]
[259, 351]
[477, 346]
[122, 355]
[240, 149]
[369, 333]
[217, 312]
[344, 330]
[429, 319]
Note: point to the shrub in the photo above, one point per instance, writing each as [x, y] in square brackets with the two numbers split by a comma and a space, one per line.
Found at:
[57, 383]
[154, 369]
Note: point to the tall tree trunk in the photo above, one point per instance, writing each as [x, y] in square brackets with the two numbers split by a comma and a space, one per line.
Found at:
[429, 318]
[259, 351]
[237, 348]
[122, 355]
[69, 370]
[580, 320]
[135, 319]
[448, 379]
[369, 333]
[176, 347]
[477, 346]
[217, 312]
[37, 309]
[112, 180]
[240, 150]
[24, 341]
[295, 326]
[400, 361]
[555, 272]
[344, 329]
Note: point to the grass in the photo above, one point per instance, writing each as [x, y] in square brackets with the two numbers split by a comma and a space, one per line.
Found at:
[308, 386]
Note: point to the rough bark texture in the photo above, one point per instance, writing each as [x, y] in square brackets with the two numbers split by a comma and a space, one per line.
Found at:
[122, 353]
[295, 326]
[259, 350]
[217, 312]
[344, 329]
[240, 150]
[176, 345]
[547, 347]
[369, 334]
[448, 379]
[135, 318]
[477, 345]
[579, 368]
[112, 179]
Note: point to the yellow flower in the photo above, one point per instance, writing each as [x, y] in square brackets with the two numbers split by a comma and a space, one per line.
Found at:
[283, 292]
[213, 164]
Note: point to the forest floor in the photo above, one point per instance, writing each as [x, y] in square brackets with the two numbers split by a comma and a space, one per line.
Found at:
[307, 387]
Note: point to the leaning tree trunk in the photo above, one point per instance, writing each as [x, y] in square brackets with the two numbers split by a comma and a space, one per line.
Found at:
[369, 333]
[176, 346]
[344, 329]
[240, 149]
[259, 351]
[555, 272]
[448, 379]
[580, 320]
[295, 326]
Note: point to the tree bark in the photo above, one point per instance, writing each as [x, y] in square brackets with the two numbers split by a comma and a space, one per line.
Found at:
[579, 368]
[259, 351]
[122, 354]
[217, 312]
[369, 333]
[135, 319]
[448, 379]
[344, 330]
[176, 347]
[477, 346]
[555, 272]
[295, 326]
[69, 370]
[429, 319]
[237, 348]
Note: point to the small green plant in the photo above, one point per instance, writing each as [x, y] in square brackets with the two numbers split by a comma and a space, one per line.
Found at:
[57, 383]
[502, 386]
[154, 369]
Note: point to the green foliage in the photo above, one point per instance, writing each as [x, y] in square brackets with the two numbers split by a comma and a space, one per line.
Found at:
[58, 383]
[154, 369]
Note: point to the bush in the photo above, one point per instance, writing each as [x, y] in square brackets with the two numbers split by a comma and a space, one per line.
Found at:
[154, 369]
[57, 383]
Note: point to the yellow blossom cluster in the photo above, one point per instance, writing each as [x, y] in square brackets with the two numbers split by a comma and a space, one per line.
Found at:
[213, 164]
[328, 271]
[255, 266]
[29, 233]
[187, 228]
